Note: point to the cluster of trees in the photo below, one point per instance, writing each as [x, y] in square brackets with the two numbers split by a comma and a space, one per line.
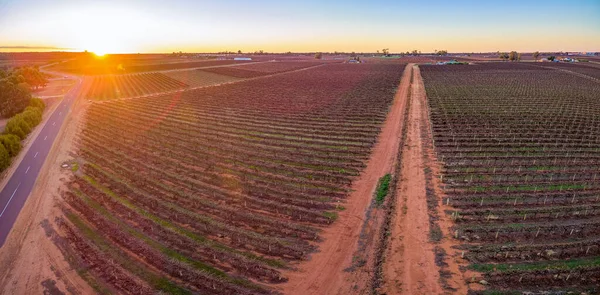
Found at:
[15, 89]
[512, 56]
[17, 128]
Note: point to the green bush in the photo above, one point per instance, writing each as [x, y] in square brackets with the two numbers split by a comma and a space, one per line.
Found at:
[17, 126]
[4, 158]
[33, 116]
[37, 103]
[22, 124]
[382, 188]
[11, 143]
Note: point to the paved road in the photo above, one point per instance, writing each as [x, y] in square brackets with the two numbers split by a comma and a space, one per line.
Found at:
[18, 188]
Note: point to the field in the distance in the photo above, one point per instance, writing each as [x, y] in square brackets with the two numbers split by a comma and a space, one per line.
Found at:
[109, 87]
[218, 190]
[520, 147]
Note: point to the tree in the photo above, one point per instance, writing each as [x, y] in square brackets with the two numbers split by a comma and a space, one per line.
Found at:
[15, 126]
[32, 76]
[318, 55]
[37, 103]
[13, 97]
[551, 58]
[519, 56]
[536, 55]
[512, 56]
[386, 51]
[503, 55]
[4, 158]
[239, 52]
[415, 52]
[11, 143]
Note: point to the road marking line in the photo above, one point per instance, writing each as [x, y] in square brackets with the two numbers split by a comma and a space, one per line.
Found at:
[45, 137]
[27, 169]
[36, 153]
[13, 194]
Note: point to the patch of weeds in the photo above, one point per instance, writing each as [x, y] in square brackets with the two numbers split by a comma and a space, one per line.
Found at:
[382, 190]
[332, 216]
[435, 233]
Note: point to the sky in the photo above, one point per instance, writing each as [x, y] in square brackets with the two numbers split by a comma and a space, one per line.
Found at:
[300, 26]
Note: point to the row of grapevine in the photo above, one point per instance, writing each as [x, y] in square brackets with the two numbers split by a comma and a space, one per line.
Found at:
[122, 86]
[520, 148]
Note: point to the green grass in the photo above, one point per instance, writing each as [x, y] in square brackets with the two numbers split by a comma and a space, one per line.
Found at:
[181, 231]
[168, 252]
[332, 216]
[383, 187]
[564, 264]
[158, 282]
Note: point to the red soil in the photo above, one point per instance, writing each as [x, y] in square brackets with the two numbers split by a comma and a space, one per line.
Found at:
[410, 263]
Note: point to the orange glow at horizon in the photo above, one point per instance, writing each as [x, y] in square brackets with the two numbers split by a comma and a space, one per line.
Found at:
[205, 26]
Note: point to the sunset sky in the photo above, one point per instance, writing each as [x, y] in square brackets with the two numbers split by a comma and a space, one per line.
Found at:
[279, 26]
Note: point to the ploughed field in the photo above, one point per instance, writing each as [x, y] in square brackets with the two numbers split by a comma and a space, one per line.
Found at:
[218, 190]
[520, 147]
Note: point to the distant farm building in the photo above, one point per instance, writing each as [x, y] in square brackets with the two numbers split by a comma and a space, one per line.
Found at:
[451, 62]
[242, 58]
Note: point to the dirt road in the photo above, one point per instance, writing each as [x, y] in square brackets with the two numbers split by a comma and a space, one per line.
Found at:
[409, 266]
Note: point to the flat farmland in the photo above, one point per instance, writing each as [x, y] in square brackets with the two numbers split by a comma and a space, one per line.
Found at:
[583, 68]
[127, 65]
[55, 87]
[219, 190]
[198, 78]
[520, 150]
[108, 87]
[260, 69]
[228, 74]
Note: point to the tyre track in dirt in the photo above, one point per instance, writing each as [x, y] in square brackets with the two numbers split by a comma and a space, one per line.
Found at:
[409, 266]
[453, 280]
[324, 272]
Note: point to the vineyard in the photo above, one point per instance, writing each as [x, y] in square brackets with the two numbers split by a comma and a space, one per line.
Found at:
[127, 65]
[588, 69]
[109, 87]
[520, 147]
[259, 69]
[218, 190]
[198, 78]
